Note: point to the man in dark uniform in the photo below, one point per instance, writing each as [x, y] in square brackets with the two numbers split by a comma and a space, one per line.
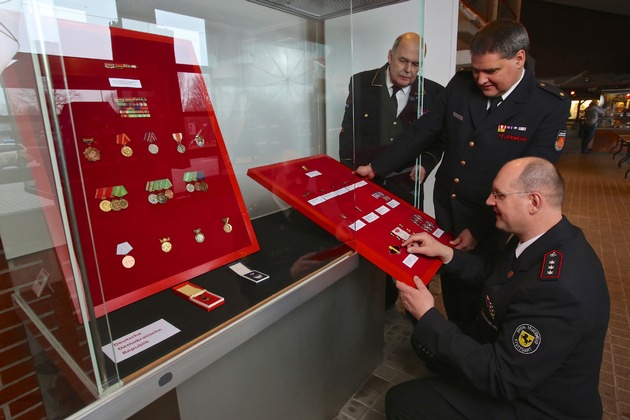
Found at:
[491, 115]
[381, 104]
[535, 349]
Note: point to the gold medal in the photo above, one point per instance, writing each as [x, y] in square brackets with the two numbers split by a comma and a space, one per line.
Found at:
[124, 140]
[199, 237]
[128, 261]
[105, 205]
[166, 244]
[123, 204]
[116, 205]
[169, 194]
[126, 151]
[92, 154]
[161, 197]
[203, 187]
[227, 227]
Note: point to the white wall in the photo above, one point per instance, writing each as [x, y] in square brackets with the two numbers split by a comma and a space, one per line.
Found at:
[361, 42]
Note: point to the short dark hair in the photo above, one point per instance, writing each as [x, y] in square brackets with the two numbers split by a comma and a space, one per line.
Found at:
[503, 36]
[541, 175]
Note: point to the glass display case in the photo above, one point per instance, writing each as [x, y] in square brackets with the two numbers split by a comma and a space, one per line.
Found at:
[130, 133]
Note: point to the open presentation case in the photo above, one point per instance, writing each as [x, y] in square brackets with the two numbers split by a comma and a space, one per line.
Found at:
[154, 194]
[357, 211]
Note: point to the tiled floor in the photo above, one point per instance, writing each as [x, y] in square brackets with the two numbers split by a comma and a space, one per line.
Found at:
[597, 200]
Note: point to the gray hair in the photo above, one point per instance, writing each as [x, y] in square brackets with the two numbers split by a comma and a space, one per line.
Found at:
[503, 36]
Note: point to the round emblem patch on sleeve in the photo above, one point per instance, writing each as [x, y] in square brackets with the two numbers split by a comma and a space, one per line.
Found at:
[526, 339]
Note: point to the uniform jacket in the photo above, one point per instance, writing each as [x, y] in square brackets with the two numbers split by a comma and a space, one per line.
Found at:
[539, 338]
[370, 122]
[530, 122]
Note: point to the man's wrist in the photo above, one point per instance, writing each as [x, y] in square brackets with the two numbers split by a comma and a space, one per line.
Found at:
[372, 168]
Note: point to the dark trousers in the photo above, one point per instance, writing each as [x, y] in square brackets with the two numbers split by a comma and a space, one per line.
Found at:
[443, 398]
[461, 301]
[589, 133]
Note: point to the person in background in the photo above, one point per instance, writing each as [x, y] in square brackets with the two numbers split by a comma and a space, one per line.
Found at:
[591, 116]
[490, 115]
[535, 349]
[383, 102]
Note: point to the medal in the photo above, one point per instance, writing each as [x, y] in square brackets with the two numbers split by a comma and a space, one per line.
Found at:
[124, 140]
[227, 227]
[199, 140]
[91, 153]
[199, 237]
[178, 138]
[166, 244]
[124, 249]
[128, 261]
[195, 181]
[119, 203]
[103, 194]
[150, 137]
[159, 191]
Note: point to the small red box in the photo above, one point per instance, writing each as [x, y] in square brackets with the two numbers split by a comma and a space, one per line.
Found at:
[198, 295]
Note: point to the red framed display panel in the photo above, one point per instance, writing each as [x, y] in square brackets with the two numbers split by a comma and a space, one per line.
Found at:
[145, 100]
[357, 211]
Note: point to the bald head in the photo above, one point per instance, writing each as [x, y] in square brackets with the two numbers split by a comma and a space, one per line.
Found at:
[537, 174]
[404, 59]
[527, 196]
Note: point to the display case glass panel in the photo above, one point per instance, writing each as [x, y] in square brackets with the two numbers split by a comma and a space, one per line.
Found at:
[128, 130]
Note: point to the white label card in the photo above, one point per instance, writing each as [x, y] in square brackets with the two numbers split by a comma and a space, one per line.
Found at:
[410, 260]
[127, 83]
[393, 203]
[382, 210]
[357, 225]
[139, 340]
[370, 217]
[313, 174]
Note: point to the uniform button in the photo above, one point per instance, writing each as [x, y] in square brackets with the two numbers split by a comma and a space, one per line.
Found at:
[463, 163]
[453, 195]
[456, 180]
[391, 139]
[395, 123]
[471, 144]
[365, 115]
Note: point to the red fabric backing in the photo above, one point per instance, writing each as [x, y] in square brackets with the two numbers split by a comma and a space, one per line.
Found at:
[290, 182]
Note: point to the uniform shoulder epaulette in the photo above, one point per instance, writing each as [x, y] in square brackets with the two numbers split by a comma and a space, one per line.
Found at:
[547, 87]
[551, 265]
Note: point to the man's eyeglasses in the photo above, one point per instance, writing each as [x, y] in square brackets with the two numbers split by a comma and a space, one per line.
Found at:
[501, 196]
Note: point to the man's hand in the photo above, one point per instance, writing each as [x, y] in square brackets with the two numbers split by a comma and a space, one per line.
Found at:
[465, 241]
[423, 174]
[366, 171]
[416, 301]
[424, 244]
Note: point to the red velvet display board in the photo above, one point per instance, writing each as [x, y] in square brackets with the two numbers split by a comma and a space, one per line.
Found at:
[367, 217]
[147, 101]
